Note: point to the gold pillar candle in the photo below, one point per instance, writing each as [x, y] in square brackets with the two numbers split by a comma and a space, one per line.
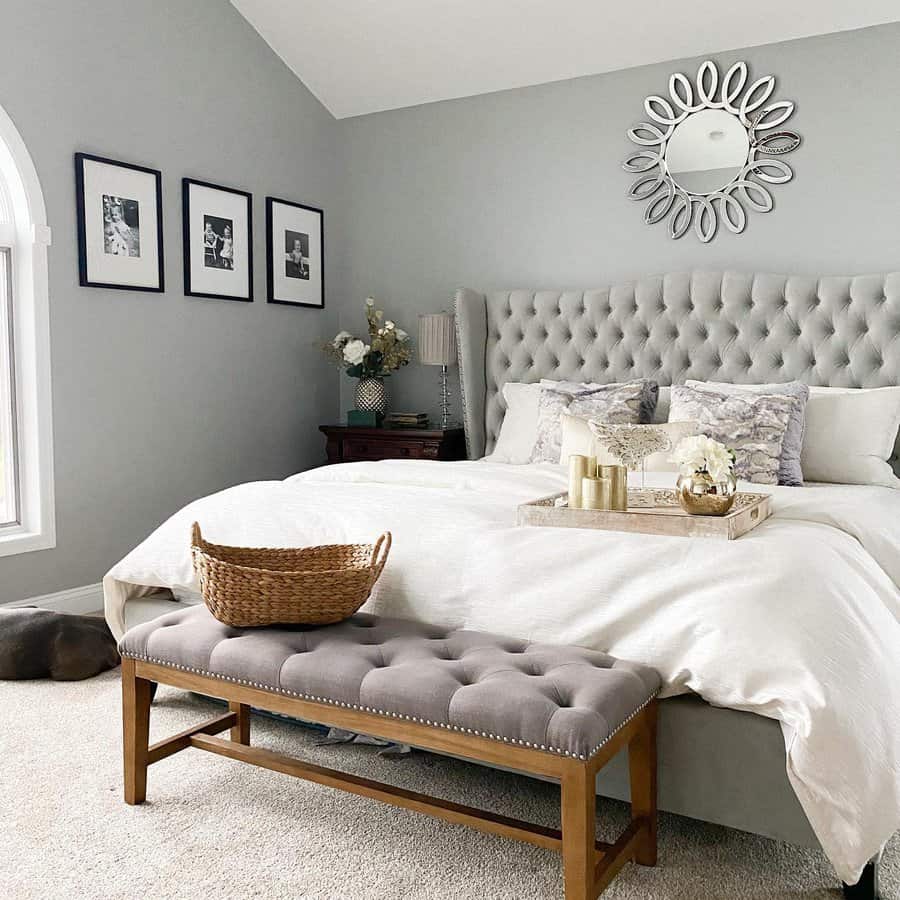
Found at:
[591, 466]
[618, 476]
[596, 493]
[578, 468]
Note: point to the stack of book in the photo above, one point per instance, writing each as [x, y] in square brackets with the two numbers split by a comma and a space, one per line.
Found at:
[406, 420]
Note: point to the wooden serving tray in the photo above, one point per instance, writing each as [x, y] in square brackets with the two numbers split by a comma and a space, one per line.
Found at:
[665, 517]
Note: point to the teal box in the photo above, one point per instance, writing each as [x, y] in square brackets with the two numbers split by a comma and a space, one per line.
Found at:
[359, 418]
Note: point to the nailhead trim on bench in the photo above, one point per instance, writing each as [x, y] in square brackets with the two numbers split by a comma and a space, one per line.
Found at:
[494, 737]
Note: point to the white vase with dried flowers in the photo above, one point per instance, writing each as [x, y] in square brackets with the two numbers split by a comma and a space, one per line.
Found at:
[386, 349]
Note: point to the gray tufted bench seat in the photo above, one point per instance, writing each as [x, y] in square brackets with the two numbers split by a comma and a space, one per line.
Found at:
[551, 711]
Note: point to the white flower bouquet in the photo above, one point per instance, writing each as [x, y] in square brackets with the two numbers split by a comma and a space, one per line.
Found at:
[702, 455]
[386, 350]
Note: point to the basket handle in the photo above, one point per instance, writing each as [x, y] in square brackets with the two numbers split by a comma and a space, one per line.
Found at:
[196, 537]
[380, 554]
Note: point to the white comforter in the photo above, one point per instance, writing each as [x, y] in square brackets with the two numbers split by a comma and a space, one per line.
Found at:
[798, 620]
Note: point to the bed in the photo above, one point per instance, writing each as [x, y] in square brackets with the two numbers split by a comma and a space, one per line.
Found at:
[783, 715]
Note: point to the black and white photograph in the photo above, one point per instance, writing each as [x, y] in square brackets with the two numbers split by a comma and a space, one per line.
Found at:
[119, 224]
[295, 253]
[218, 242]
[217, 222]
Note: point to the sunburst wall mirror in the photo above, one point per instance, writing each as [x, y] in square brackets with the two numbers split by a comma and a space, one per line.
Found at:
[710, 152]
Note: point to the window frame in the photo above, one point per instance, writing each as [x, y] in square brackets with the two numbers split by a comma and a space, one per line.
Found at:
[23, 229]
[9, 474]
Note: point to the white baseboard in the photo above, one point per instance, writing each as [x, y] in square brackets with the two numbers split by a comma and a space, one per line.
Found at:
[85, 599]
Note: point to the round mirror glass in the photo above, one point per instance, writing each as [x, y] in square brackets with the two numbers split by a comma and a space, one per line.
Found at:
[706, 151]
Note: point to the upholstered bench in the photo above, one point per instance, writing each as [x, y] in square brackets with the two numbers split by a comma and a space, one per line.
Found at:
[552, 711]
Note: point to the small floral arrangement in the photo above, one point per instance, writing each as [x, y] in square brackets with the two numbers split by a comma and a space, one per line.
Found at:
[702, 455]
[388, 347]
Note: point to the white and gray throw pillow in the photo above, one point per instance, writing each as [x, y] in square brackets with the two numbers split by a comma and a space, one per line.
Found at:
[753, 425]
[631, 403]
[789, 469]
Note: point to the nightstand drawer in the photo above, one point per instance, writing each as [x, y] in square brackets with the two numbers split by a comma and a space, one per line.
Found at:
[353, 444]
[362, 448]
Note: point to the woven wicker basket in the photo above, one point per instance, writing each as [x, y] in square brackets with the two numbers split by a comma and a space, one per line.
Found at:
[246, 586]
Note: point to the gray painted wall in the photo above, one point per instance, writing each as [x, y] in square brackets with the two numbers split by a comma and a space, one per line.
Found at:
[159, 399]
[524, 188]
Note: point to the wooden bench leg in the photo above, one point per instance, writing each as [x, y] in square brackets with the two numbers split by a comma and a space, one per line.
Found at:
[136, 698]
[240, 732]
[579, 813]
[642, 766]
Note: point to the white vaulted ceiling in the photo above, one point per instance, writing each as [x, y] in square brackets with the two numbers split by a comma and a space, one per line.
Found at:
[363, 56]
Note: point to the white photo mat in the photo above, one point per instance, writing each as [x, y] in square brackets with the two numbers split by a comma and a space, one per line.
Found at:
[208, 210]
[119, 224]
[295, 253]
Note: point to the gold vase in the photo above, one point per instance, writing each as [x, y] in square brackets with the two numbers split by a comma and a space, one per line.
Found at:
[700, 495]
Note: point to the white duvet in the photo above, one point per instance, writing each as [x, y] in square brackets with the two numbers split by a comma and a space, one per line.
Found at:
[798, 620]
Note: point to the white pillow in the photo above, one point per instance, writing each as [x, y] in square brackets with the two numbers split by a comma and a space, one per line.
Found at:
[578, 438]
[518, 431]
[851, 433]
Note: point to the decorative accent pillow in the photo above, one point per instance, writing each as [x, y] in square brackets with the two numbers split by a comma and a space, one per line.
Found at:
[753, 425]
[789, 469]
[518, 431]
[578, 438]
[649, 396]
[851, 434]
[630, 403]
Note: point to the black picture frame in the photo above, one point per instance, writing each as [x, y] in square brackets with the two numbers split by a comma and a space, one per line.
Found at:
[186, 185]
[271, 250]
[83, 278]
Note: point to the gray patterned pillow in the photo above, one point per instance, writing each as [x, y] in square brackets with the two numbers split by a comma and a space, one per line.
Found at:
[621, 404]
[753, 425]
[789, 470]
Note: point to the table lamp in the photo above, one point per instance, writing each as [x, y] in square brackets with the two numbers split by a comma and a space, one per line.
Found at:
[437, 347]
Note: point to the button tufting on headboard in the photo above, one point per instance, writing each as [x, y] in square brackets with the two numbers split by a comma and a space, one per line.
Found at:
[839, 331]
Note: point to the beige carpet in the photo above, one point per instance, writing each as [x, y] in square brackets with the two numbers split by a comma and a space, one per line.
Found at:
[219, 829]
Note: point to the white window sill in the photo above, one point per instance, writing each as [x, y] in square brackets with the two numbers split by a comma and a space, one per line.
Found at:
[15, 540]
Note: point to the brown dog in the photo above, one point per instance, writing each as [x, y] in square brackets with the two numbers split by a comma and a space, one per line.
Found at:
[40, 643]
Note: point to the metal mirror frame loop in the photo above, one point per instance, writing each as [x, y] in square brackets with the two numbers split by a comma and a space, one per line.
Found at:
[751, 105]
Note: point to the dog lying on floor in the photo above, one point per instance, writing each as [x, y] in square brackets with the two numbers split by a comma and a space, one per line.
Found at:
[40, 643]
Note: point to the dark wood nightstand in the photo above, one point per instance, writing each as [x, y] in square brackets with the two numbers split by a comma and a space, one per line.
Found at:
[350, 444]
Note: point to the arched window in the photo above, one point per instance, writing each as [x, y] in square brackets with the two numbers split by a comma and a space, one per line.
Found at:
[26, 439]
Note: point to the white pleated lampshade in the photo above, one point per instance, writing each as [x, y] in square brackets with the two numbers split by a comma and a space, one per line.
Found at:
[437, 340]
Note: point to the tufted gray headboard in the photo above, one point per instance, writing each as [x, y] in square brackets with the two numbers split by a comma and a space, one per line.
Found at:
[713, 326]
